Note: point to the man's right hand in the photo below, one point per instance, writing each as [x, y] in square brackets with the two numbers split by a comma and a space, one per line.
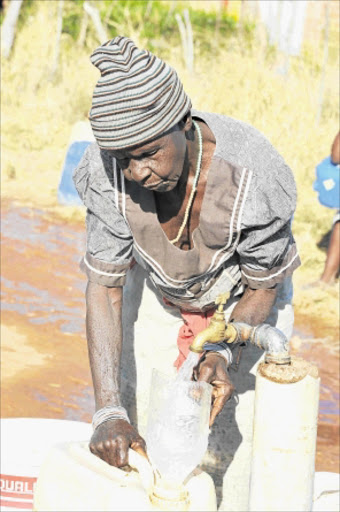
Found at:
[111, 442]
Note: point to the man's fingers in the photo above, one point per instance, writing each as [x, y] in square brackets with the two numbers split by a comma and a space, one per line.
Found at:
[101, 451]
[122, 451]
[95, 452]
[221, 393]
[116, 452]
[205, 374]
[140, 447]
[214, 371]
[217, 408]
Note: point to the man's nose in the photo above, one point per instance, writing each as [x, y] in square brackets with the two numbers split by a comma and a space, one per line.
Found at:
[138, 171]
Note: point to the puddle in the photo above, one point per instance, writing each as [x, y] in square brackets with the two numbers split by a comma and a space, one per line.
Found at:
[11, 365]
[42, 295]
[324, 353]
[42, 292]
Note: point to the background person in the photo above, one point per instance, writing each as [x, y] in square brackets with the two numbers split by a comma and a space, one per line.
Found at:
[332, 263]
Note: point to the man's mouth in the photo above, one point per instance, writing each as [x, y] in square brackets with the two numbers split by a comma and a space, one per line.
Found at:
[153, 186]
[161, 185]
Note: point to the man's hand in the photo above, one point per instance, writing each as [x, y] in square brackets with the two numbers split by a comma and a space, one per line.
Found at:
[111, 442]
[213, 369]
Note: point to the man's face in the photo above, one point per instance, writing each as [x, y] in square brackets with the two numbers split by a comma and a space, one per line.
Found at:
[156, 165]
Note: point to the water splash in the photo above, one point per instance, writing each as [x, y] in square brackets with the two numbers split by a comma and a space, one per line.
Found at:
[186, 370]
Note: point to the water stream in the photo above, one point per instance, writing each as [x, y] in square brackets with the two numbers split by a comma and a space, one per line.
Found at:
[185, 371]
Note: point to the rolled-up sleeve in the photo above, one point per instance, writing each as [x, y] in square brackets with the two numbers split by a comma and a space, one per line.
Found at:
[109, 241]
[267, 248]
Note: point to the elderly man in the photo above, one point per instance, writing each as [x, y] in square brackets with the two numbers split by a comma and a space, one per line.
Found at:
[182, 206]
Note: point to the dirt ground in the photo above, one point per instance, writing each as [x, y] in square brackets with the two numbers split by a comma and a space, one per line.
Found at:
[44, 366]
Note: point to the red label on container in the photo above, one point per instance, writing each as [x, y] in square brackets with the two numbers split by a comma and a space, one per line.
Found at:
[17, 491]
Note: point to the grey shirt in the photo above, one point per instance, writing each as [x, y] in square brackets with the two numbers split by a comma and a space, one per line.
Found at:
[244, 236]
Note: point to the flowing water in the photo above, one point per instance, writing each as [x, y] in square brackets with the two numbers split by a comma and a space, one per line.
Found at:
[186, 370]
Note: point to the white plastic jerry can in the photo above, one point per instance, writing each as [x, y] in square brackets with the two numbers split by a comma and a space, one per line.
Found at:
[24, 443]
[73, 479]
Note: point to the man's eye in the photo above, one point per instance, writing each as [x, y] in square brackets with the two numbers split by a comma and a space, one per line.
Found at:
[149, 153]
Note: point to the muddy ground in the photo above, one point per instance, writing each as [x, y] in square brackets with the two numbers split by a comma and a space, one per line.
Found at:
[44, 366]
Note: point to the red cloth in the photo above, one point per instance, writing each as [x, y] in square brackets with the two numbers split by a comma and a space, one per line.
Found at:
[194, 323]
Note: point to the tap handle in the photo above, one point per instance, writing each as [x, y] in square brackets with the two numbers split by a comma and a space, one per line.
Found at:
[221, 300]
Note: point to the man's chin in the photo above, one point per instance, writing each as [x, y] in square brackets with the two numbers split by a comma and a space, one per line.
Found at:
[166, 187]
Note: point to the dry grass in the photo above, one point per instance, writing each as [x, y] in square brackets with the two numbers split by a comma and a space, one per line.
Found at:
[38, 111]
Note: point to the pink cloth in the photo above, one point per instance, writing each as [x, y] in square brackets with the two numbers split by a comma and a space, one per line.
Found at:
[194, 323]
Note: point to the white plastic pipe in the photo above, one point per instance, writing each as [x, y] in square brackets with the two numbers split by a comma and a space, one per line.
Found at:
[285, 428]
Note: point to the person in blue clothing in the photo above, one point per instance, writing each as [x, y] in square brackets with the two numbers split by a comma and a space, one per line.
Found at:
[332, 263]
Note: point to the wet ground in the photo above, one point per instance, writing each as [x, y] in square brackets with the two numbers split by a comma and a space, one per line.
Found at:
[44, 367]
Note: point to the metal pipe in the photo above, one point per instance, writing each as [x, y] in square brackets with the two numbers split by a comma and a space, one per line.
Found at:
[268, 338]
[264, 336]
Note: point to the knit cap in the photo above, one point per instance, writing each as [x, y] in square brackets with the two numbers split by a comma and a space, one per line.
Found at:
[137, 98]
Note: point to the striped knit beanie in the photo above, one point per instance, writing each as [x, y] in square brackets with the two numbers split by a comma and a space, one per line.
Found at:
[137, 98]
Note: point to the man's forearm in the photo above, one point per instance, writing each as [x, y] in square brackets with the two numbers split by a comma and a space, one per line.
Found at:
[104, 339]
[254, 306]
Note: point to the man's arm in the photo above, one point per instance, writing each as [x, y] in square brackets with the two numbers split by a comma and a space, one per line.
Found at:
[112, 439]
[104, 338]
[254, 306]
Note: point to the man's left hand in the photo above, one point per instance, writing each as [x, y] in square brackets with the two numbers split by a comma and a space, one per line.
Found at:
[213, 369]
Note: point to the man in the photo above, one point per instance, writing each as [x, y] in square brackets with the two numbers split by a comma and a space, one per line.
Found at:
[203, 204]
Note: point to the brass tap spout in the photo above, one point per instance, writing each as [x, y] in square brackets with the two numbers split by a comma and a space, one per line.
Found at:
[216, 331]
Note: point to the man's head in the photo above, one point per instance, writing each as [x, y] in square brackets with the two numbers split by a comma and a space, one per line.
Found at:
[157, 164]
[137, 98]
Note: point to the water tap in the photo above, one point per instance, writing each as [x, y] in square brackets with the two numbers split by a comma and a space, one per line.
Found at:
[216, 331]
[270, 339]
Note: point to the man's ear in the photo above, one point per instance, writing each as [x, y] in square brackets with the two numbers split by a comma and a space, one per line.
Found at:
[187, 122]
